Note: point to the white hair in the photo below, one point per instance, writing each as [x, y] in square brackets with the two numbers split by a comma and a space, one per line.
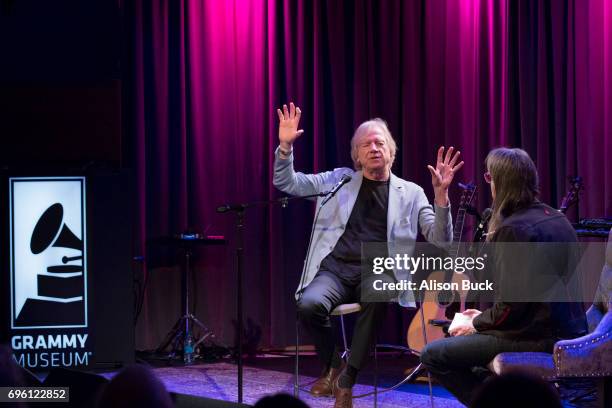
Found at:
[365, 129]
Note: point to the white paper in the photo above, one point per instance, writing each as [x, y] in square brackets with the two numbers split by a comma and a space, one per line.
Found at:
[459, 320]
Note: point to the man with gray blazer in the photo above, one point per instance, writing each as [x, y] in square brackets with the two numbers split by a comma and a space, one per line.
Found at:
[374, 206]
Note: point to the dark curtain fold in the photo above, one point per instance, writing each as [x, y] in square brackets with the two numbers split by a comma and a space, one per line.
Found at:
[203, 79]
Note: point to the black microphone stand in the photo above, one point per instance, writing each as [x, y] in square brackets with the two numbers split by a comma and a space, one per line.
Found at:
[240, 209]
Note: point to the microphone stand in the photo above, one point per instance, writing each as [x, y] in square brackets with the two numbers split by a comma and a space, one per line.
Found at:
[240, 209]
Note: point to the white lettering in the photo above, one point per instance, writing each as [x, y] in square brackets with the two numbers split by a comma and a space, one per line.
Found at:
[377, 269]
[432, 285]
[474, 286]
[48, 342]
[82, 339]
[55, 359]
[44, 360]
[40, 343]
[69, 341]
[81, 361]
[480, 263]
[27, 342]
[401, 285]
[415, 264]
[54, 341]
[16, 343]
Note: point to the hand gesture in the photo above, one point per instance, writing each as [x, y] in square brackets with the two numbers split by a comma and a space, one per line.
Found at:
[442, 175]
[288, 125]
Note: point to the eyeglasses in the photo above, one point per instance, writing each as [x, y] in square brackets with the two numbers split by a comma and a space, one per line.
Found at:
[487, 177]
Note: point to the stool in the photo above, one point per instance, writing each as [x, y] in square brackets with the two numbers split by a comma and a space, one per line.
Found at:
[339, 310]
[342, 310]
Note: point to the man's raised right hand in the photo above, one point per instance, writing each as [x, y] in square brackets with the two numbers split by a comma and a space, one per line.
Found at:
[289, 118]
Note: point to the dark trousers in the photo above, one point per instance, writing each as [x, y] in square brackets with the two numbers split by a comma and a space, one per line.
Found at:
[459, 363]
[320, 297]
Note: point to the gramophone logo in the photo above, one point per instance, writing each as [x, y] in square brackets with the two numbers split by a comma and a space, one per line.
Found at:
[48, 259]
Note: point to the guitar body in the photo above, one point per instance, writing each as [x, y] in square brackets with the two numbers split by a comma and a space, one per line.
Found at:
[436, 305]
[441, 304]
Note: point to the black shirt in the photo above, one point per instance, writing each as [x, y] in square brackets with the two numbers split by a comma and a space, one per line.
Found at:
[530, 320]
[367, 223]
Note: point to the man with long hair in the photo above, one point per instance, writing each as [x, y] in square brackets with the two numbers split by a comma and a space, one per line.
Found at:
[374, 206]
[518, 216]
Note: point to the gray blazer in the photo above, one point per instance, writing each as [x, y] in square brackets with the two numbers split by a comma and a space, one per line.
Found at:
[408, 208]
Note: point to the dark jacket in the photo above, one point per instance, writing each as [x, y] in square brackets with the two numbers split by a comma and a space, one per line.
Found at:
[545, 321]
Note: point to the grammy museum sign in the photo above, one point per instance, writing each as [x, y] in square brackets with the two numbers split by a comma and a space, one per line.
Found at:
[48, 272]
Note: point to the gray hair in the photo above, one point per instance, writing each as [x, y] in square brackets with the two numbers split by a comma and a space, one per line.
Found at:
[366, 128]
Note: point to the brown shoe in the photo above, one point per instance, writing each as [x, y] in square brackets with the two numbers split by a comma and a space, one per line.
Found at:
[344, 396]
[323, 386]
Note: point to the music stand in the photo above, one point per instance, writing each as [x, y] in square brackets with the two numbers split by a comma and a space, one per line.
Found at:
[182, 331]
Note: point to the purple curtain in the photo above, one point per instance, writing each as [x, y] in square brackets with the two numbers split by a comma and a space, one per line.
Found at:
[203, 79]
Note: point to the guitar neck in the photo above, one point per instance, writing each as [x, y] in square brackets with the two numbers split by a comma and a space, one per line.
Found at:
[458, 232]
[571, 197]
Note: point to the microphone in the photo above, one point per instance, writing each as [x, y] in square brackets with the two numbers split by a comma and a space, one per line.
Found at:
[345, 179]
[484, 219]
[230, 207]
[479, 231]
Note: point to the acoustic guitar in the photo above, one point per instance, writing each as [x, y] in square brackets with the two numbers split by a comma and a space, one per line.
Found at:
[436, 305]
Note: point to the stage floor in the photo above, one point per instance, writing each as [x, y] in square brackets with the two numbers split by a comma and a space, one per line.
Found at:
[266, 375]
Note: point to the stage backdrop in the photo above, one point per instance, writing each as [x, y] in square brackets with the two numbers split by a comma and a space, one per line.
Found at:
[203, 79]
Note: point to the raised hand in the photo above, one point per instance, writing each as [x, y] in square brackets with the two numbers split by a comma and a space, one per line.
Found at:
[289, 118]
[444, 172]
